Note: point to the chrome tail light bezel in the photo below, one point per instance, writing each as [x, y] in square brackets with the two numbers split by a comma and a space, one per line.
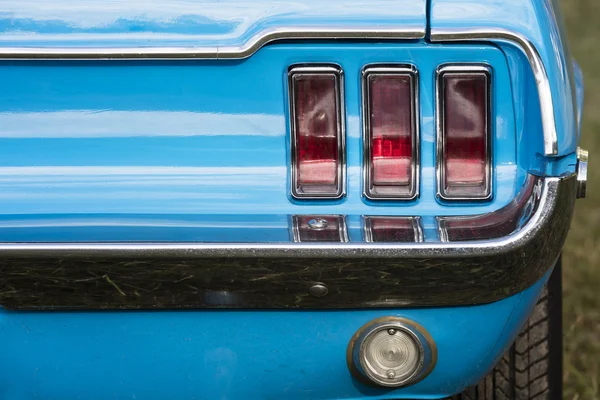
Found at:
[390, 69]
[318, 69]
[466, 70]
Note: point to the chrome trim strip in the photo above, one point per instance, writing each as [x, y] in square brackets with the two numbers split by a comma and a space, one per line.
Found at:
[319, 69]
[391, 69]
[462, 69]
[214, 52]
[368, 229]
[87, 276]
[537, 66]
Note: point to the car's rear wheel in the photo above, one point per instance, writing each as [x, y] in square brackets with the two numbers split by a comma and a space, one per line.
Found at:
[532, 367]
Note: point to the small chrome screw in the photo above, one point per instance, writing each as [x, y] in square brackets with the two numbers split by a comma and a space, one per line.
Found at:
[392, 331]
[318, 224]
[391, 375]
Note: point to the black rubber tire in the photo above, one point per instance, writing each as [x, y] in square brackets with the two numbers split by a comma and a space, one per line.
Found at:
[532, 367]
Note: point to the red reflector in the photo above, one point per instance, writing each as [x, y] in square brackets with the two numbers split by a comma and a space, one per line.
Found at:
[317, 132]
[319, 228]
[464, 167]
[391, 140]
[393, 229]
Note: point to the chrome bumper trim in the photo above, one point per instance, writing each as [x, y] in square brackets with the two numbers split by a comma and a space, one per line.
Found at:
[187, 275]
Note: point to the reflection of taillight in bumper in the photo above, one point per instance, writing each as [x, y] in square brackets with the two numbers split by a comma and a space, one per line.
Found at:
[317, 131]
[391, 140]
[393, 229]
[321, 228]
[496, 224]
[463, 129]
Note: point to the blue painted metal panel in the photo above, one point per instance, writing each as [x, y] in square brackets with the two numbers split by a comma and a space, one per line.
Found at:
[192, 137]
[579, 90]
[236, 354]
[189, 23]
[536, 21]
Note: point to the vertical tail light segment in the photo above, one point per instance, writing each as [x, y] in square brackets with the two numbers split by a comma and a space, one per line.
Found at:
[391, 139]
[317, 130]
[463, 129]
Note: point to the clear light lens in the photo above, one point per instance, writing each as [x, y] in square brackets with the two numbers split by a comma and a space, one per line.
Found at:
[391, 133]
[390, 356]
[316, 113]
[465, 135]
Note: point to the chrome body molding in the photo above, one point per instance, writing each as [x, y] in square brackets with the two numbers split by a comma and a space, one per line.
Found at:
[214, 52]
[537, 66]
[185, 275]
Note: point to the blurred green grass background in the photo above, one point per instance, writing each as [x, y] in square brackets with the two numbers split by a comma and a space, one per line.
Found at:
[581, 258]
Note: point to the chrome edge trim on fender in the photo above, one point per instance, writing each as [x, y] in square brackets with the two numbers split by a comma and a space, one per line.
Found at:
[537, 66]
[187, 275]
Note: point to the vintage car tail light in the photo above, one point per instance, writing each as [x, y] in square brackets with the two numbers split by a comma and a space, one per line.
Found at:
[319, 228]
[464, 134]
[391, 137]
[391, 352]
[393, 229]
[317, 131]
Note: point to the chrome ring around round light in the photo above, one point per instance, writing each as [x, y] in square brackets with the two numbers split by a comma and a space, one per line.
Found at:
[357, 351]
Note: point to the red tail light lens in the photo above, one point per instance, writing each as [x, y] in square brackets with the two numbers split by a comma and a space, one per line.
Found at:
[317, 132]
[391, 139]
[319, 228]
[464, 134]
[393, 229]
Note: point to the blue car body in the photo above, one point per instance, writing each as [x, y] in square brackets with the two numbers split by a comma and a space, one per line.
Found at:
[145, 122]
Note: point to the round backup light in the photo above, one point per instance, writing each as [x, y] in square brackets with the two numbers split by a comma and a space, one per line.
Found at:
[391, 352]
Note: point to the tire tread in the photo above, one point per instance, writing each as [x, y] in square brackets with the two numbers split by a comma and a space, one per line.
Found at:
[532, 368]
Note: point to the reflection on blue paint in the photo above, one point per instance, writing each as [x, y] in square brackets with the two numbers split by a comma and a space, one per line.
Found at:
[237, 354]
[122, 23]
[192, 137]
